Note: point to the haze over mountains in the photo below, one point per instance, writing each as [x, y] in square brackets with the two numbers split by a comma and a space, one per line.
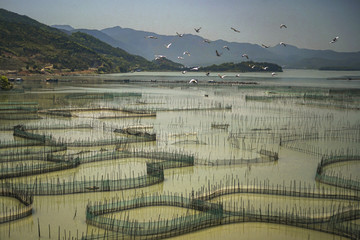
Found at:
[203, 53]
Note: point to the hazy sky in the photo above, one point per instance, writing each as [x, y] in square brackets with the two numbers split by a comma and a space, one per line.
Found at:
[311, 23]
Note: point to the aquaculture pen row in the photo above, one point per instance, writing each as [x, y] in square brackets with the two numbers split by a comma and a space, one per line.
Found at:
[304, 96]
[265, 157]
[38, 140]
[233, 185]
[338, 181]
[14, 213]
[57, 187]
[51, 126]
[212, 214]
[23, 154]
[155, 173]
[20, 131]
[19, 111]
[23, 169]
[88, 95]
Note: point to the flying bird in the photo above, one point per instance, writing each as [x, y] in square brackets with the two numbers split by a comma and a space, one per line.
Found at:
[207, 74]
[197, 29]
[282, 43]
[217, 53]
[186, 53]
[167, 45]
[151, 37]
[207, 41]
[245, 55]
[237, 75]
[234, 29]
[283, 26]
[183, 72]
[193, 81]
[180, 57]
[180, 35]
[226, 47]
[273, 74]
[221, 76]
[334, 39]
[265, 46]
[194, 69]
[265, 68]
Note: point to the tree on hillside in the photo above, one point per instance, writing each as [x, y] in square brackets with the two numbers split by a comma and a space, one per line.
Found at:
[5, 84]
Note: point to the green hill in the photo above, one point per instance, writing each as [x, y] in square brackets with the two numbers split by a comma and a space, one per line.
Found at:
[26, 44]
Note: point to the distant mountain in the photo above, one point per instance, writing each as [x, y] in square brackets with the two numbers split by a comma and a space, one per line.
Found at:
[28, 45]
[294, 57]
[203, 54]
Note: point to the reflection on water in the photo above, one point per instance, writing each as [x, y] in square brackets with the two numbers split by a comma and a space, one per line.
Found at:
[260, 117]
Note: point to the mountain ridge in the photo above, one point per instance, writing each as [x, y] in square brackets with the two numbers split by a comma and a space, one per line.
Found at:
[203, 54]
[29, 46]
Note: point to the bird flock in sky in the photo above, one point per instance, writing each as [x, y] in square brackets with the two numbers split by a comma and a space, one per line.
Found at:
[218, 54]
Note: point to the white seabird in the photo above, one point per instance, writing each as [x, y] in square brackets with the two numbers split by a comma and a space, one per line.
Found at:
[194, 69]
[179, 57]
[226, 47]
[186, 53]
[197, 29]
[273, 74]
[193, 81]
[282, 43]
[167, 45]
[221, 76]
[180, 35]
[207, 41]
[217, 53]
[283, 26]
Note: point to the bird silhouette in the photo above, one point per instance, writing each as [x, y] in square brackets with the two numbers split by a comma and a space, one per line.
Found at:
[235, 30]
[151, 37]
[334, 39]
[245, 55]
